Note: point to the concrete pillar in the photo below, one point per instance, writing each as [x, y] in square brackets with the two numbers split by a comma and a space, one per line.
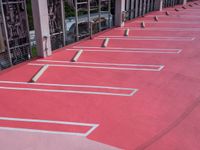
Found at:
[41, 25]
[2, 45]
[119, 10]
[158, 5]
[161, 5]
[184, 2]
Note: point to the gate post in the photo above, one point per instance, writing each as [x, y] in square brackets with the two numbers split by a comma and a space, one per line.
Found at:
[41, 25]
[184, 2]
[158, 5]
[161, 5]
[119, 12]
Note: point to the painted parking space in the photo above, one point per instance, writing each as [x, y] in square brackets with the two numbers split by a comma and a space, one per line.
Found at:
[66, 88]
[104, 66]
[128, 50]
[150, 17]
[46, 126]
[147, 33]
[115, 43]
[177, 24]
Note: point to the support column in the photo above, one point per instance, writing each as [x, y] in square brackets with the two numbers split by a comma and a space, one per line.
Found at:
[41, 25]
[2, 44]
[119, 10]
[184, 2]
[158, 5]
[161, 5]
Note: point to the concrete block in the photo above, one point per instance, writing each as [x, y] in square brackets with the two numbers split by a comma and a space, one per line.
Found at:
[127, 32]
[39, 73]
[156, 18]
[77, 56]
[105, 42]
[143, 24]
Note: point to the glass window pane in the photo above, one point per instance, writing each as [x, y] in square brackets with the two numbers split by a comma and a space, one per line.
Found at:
[70, 26]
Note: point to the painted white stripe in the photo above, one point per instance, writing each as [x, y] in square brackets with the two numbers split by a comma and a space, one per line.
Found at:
[186, 13]
[191, 10]
[47, 121]
[129, 50]
[114, 48]
[97, 63]
[161, 29]
[63, 91]
[41, 131]
[161, 68]
[168, 22]
[132, 51]
[150, 38]
[93, 126]
[68, 85]
[161, 37]
[132, 90]
[101, 67]
[175, 16]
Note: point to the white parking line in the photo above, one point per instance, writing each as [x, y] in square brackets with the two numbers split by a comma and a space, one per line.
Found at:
[128, 50]
[93, 89]
[175, 16]
[97, 63]
[104, 66]
[160, 29]
[184, 12]
[93, 126]
[149, 38]
[168, 22]
[160, 67]
[191, 10]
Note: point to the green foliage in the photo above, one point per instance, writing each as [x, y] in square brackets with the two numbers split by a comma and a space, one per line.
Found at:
[34, 52]
[30, 16]
[69, 11]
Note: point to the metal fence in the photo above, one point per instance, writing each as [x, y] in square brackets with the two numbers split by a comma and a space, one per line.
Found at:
[137, 8]
[15, 44]
[170, 3]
